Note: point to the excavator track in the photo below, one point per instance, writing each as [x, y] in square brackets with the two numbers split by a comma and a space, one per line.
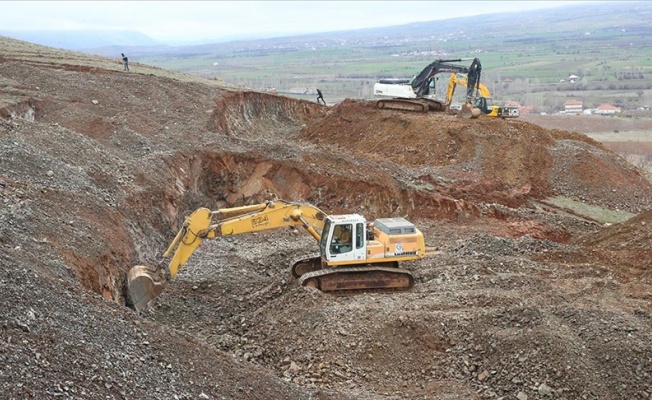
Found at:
[402, 105]
[416, 105]
[336, 279]
[306, 264]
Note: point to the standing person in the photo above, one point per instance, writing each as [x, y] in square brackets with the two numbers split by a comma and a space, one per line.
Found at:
[320, 97]
[125, 60]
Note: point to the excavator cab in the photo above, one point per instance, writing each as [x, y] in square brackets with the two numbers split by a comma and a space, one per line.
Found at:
[341, 242]
[343, 238]
[484, 104]
[487, 107]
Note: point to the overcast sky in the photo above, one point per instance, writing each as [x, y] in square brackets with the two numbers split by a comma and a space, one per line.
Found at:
[188, 21]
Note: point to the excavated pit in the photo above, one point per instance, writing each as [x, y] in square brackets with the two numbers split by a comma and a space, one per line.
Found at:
[100, 174]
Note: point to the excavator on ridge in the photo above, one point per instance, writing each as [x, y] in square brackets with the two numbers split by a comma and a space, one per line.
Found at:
[418, 94]
[353, 254]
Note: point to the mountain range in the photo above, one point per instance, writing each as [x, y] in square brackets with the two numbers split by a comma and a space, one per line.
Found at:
[597, 19]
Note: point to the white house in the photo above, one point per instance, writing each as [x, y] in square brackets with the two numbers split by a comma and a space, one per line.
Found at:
[573, 107]
[606, 109]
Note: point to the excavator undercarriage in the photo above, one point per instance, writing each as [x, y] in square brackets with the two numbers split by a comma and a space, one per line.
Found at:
[312, 273]
[416, 105]
[351, 278]
[305, 264]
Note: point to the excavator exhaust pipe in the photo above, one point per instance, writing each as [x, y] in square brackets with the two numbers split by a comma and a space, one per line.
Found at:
[144, 284]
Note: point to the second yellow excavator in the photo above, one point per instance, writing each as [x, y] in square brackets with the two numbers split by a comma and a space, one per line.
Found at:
[483, 102]
[353, 254]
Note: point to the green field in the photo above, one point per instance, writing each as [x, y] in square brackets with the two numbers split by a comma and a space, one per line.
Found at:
[525, 56]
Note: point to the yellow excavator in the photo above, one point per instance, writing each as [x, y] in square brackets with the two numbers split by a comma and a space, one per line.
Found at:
[483, 102]
[353, 254]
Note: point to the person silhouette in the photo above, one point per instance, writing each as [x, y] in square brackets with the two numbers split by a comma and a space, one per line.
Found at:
[320, 96]
[125, 60]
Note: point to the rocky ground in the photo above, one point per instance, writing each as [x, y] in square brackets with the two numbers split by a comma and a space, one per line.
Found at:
[522, 300]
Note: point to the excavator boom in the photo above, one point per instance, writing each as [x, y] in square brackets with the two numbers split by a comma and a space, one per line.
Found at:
[146, 283]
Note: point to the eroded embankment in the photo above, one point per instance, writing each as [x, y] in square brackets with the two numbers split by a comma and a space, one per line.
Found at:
[487, 159]
[257, 115]
[132, 166]
[115, 187]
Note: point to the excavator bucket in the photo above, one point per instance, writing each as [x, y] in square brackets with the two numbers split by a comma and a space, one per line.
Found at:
[144, 284]
[469, 112]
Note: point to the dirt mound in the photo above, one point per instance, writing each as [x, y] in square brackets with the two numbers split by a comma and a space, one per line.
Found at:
[626, 246]
[99, 167]
[486, 159]
[635, 233]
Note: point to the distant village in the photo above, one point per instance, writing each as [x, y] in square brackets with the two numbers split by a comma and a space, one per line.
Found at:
[576, 107]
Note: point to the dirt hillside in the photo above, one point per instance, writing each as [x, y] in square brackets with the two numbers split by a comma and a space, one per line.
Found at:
[98, 168]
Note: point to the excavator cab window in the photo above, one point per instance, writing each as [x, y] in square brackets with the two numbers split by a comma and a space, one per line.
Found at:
[359, 235]
[481, 103]
[341, 242]
[431, 86]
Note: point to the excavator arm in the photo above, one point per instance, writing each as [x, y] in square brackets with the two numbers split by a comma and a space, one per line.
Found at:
[146, 283]
[472, 88]
[421, 83]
